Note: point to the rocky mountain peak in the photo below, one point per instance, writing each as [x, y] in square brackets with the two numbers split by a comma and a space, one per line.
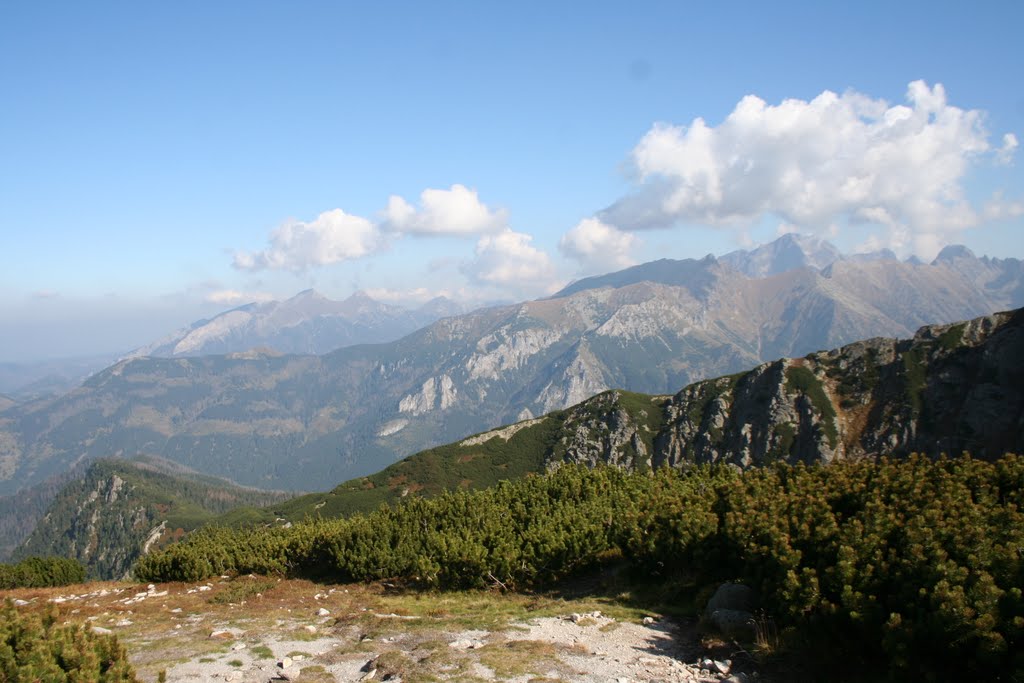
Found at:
[788, 252]
[953, 252]
[308, 295]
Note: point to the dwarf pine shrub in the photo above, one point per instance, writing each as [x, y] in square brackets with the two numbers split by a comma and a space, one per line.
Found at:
[37, 648]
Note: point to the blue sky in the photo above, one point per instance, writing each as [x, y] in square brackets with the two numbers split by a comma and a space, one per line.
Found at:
[160, 162]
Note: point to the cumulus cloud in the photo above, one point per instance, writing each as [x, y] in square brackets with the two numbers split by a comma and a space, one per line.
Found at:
[457, 211]
[598, 247]
[334, 236]
[508, 260]
[835, 159]
[233, 296]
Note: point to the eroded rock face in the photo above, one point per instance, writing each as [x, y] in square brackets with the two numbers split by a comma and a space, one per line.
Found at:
[951, 388]
[602, 431]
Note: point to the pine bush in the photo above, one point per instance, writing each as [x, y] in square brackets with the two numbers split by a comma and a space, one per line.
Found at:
[37, 648]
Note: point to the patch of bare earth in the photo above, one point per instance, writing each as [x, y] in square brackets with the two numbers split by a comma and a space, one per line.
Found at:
[252, 629]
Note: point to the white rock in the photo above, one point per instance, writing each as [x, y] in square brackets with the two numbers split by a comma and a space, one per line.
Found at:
[285, 663]
[647, 621]
[102, 631]
[239, 646]
[323, 612]
[310, 628]
[466, 644]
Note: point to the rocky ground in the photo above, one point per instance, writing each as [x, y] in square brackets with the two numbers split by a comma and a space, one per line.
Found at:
[260, 629]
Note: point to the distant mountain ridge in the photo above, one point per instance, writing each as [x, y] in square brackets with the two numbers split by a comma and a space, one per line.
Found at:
[29, 380]
[307, 323]
[296, 421]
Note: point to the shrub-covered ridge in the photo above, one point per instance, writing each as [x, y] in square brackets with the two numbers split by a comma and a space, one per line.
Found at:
[41, 572]
[910, 565]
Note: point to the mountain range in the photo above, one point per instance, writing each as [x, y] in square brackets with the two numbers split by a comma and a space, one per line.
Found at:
[296, 421]
[949, 389]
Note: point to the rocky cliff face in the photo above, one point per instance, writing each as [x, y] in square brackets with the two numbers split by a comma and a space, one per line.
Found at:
[949, 389]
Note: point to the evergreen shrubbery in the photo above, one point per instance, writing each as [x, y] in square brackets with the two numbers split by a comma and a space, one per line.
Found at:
[912, 565]
[41, 572]
[37, 648]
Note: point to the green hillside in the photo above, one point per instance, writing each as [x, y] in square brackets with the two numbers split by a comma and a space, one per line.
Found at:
[106, 518]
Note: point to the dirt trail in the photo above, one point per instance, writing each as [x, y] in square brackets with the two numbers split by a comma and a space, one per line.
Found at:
[257, 629]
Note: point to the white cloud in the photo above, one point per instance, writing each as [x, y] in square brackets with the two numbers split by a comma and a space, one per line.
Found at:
[457, 211]
[333, 237]
[1006, 152]
[233, 296]
[814, 164]
[598, 247]
[508, 260]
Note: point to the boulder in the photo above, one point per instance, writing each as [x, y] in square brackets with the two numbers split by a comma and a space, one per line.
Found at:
[732, 596]
[733, 623]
